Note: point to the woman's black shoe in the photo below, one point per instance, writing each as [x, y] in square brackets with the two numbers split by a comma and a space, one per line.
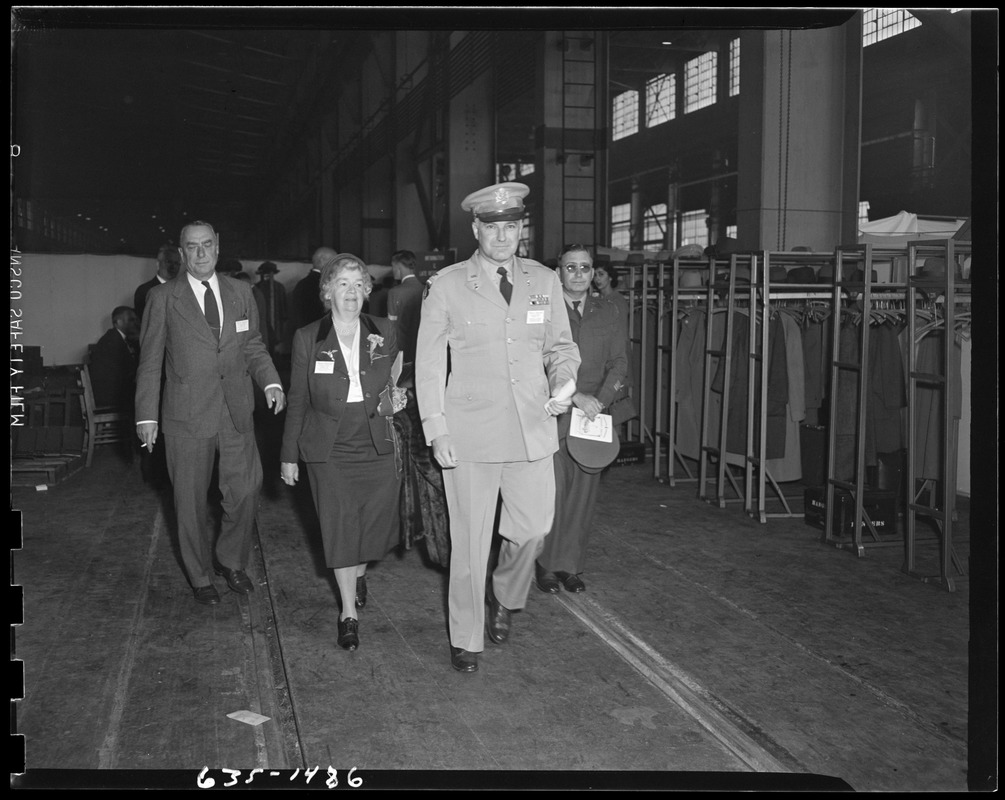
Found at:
[361, 591]
[348, 633]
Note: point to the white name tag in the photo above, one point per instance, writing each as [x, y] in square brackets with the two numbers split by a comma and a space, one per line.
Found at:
[242, 325]
[535, 316]
[324, 367]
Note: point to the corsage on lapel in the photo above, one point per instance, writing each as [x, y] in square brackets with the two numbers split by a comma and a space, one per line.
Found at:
[376, 340]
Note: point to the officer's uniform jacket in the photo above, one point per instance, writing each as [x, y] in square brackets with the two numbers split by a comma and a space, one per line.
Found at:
[504, 361]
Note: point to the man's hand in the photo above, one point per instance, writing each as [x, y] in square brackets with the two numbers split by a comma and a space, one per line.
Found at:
[290, 473]
[443, 451]
[147, 431]
[556, 406]
[588, 404]
[275, 398]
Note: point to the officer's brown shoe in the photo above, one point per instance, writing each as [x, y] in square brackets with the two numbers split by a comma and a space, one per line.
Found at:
[498, 619]
[463, 660]
[572, 583]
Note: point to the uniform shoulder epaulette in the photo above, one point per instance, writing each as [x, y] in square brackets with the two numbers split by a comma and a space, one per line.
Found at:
[434, 276]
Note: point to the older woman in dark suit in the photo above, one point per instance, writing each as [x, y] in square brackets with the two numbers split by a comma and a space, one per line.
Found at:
[338, 426]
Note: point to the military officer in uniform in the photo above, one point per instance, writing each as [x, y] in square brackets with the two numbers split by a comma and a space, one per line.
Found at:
[491, 424]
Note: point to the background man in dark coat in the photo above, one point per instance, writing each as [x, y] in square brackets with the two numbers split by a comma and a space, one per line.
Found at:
[113, 362]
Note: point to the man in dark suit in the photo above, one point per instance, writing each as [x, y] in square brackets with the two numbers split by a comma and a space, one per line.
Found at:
[306, 301]
[168, 263]
[113, 362]
[404, 303]
[204, 328]
[599, 331]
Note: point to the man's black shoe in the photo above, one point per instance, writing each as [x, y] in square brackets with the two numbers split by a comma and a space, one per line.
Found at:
[207, 595]
[463, 660]
[498, 619]
[572, 583]
[237, 580]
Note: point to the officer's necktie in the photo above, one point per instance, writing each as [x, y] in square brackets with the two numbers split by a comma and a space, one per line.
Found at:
[575, 309]
[504, 285]
[212, 312]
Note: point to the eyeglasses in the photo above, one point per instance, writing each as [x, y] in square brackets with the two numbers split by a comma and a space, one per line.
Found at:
[574, 268]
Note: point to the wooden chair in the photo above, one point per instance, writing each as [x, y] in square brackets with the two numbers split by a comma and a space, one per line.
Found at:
[103, 425]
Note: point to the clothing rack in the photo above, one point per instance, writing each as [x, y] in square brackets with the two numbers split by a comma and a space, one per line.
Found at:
[641, 302]
[859, 292]
[852, 293]
[767, 297]
[713, 449]
[942, 503]
[669, 329]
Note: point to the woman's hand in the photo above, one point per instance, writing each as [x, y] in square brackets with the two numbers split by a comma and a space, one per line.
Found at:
[289, 473]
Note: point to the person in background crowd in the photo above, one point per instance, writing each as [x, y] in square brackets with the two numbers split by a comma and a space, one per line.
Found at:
[306, 300]
[113, 362]
[200, 349]
[606, 278]
[377, 302]
[598, 331]
[502, 322]
[275, 315]
[404, 303]
[231, 267]
[340, 426]
[168, 263]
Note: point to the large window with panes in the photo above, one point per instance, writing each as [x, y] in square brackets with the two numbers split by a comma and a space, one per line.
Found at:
[700, 75]
[654, 227]
[661, 99]
[621, 226]
[882, 23]
[625, 115]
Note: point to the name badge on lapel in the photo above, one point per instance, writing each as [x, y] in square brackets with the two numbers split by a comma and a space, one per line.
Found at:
[324, 367]
[242, 325]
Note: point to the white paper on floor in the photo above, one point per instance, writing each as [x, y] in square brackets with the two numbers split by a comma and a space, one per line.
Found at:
[249, 717]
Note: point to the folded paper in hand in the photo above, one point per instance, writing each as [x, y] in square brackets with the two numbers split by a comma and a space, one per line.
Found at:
[392, 398]
[599, 430]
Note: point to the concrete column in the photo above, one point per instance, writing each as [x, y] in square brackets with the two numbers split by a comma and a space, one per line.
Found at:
[800, 109]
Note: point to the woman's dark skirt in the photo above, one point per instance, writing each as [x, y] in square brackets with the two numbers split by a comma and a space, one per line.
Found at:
[356, 495]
